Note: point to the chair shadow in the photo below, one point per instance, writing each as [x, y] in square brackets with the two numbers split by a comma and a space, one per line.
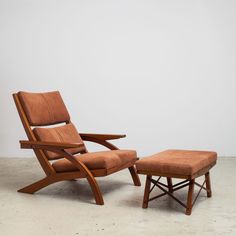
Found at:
[80, 189]
[77, 190]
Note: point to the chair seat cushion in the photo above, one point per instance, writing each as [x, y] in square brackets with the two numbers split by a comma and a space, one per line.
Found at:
[177, 162]
[98, 160]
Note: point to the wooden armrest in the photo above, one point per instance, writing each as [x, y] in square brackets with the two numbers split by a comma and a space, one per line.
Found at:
[104, 137]
[48, 145]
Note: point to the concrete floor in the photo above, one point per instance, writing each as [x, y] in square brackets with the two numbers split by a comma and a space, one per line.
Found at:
[68, 208]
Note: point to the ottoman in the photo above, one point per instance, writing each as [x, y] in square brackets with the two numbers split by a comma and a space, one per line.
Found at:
[181, 164]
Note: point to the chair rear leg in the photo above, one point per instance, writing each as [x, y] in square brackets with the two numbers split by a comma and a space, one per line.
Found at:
[32, 188]
[135, 176]
[208, 184]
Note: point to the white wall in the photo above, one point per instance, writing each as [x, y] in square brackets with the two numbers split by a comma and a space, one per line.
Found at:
[163, 72]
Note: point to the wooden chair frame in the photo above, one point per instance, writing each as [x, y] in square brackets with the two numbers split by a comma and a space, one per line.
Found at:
[169, 188]
[61, 148]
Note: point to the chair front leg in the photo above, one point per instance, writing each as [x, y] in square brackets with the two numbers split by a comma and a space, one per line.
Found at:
[96, 190]
[92, 181]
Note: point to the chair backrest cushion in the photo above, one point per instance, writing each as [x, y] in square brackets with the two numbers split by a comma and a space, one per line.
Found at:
[44, 108]
[64, 133]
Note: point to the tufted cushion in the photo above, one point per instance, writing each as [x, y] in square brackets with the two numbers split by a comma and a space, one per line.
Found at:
[44, 108]
[98, 160]
[180, 162]
[65, 133]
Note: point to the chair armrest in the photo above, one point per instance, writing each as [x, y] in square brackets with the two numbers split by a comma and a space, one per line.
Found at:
[49, 145]
[103, 137]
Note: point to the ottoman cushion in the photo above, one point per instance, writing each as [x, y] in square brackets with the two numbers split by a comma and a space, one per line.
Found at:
[180, 162]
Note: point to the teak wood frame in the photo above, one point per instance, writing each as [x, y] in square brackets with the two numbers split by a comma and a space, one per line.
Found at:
[61, 148]
[169, 189]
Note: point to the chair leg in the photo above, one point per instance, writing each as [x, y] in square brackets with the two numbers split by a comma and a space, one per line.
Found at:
[32, 188]
[208, 184]
[96, 190]
[135, 176]
[170, 185]
[147, 191]
[190, 197]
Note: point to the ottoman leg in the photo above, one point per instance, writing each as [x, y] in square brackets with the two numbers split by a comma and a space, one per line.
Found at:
[169, 183]
[190, 197]
[208, 184]
[146, 191]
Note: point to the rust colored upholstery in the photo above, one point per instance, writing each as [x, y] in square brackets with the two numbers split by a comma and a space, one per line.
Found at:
[66, 133]
[180, 162]
[98, 160]
[44, 108]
